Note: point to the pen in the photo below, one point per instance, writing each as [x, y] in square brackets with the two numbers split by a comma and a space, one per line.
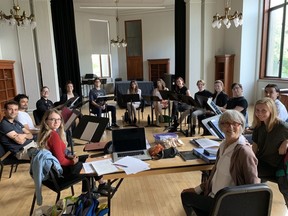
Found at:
[120, 165]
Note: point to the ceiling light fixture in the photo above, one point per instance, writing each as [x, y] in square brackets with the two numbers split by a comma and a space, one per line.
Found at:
[118, 43]
[122, 7]
[16, 19]
[227, 18]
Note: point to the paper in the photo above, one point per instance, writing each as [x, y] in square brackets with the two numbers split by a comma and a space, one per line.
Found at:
[101, 167]
[133, 165]
[206, 143]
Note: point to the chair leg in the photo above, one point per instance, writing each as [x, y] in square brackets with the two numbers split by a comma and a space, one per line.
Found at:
[11, 170]
[138, 116]
[33, 204]
[72, 190]
[1, 170]
[16, 166]
[58, 196]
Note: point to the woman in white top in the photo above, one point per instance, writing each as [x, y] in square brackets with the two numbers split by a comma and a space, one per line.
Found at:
[133, 89]
[159, 105]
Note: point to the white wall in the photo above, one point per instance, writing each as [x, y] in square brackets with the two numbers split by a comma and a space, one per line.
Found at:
[157, 37]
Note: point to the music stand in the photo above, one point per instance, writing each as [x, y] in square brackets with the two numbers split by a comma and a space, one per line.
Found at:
[195, 104]
[105, 99]
[130, 98]
[90, 128]
[151, 99]
[168, 95]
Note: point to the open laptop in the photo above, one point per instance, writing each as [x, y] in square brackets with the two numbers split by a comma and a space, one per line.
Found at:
[211, 125]
[129, 142]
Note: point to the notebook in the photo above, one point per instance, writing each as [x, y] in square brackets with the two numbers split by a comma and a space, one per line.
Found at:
[199, 152]
[211, 125]
[213, 106]
[129, 142]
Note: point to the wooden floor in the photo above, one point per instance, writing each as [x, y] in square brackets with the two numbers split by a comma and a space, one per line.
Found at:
[147, 196]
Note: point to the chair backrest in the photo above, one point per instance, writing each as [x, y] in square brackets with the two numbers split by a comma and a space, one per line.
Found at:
[248, 200]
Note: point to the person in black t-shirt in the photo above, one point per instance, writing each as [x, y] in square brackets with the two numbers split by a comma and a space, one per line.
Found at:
[177, 106]
[238, 101]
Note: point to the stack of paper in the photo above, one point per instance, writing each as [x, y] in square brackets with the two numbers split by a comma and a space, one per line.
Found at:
[132, 165]
[206, 143]
[101, 167]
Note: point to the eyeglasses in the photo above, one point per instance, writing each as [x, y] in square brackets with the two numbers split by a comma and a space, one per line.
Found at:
[228, 124]
[55, 120]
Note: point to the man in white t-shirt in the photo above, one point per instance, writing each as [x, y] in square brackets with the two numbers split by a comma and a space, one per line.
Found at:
[23, 117]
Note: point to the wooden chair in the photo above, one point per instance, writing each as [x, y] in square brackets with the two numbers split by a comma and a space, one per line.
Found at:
[248, 200]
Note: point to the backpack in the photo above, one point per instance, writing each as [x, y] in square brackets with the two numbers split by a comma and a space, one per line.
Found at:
[86, 205]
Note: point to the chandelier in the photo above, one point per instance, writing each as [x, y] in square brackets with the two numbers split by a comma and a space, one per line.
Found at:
[16, 19]
[237, 18]
[119, 42]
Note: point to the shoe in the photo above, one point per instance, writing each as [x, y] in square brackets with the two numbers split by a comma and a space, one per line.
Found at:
[135, 120]
[104, 189]
[115, 125]
[172, 129]
[109, 128]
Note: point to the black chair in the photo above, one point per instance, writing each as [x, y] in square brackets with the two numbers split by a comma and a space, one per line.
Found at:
[248, 200]
[7, 159]
[37, 117]
[57, 185]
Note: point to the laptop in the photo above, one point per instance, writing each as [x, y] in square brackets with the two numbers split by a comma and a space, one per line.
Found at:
[211, 124]
[213, 106]
[129, 142]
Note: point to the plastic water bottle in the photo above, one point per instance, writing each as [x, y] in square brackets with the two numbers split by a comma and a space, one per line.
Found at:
[148, 119]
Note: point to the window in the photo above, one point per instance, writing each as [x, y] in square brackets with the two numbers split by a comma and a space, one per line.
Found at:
[100, 49]
[101, 65]
[274, 57]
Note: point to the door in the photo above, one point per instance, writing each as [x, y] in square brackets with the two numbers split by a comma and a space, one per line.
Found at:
[134, 56]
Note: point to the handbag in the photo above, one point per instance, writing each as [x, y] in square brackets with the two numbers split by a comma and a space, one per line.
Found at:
[158, 151]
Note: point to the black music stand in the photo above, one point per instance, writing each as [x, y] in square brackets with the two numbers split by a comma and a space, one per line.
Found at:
[168, 95]
[151, 99]
[105, 99]
[130, 98]
[90, 128]
[194, 104]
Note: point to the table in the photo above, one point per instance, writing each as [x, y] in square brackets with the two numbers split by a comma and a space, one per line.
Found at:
[162, 166]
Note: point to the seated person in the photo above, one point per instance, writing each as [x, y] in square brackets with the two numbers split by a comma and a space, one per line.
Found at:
[52, 138]
[177, 106]
[98, 105]
[43, 104]
[220, 98]
[202, 92]
[159, 105]
[23, 117]
[236, 164]
[270, 141]
[272, 91]
[14, 136]
[238, 101]
[133, 89]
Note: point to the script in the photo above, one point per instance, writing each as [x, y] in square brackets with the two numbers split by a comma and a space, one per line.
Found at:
[101, 167]
[132, 165]
[205, 143]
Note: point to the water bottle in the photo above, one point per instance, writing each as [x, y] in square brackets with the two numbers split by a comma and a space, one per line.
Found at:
[148, 119]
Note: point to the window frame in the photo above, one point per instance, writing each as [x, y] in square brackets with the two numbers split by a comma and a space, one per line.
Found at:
[264, 45]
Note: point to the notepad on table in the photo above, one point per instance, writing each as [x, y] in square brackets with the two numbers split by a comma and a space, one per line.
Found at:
[101, 167]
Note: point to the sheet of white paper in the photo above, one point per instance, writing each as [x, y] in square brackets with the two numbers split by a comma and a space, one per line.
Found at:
[88, 168]
[104, 166]
[207, 143]
[133, 165]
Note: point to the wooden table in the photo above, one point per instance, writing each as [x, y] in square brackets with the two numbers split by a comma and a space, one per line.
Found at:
[162, 166]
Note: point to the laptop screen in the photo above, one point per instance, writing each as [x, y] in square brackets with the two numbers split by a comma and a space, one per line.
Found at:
[128, 139]
[212, 126]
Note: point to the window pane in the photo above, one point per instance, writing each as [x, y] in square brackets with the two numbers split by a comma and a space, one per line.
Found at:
[275, 2]
[285, 51]
[274, 42]
[105, 66]
[96, 64]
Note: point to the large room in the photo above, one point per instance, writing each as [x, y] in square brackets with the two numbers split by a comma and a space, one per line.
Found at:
[124, 40]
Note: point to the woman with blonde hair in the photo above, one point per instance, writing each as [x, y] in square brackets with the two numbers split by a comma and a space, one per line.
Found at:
[270, 141]
[52, 137]
[159, 105]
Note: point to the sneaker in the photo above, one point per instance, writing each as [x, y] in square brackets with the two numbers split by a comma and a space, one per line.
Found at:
[104, 189]
[115, 125]
[109, 128]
